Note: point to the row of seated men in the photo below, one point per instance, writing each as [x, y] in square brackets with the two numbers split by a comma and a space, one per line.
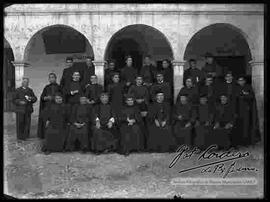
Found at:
[148, 121]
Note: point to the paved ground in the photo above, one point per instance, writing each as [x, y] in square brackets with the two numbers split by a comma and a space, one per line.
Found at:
[31, 174]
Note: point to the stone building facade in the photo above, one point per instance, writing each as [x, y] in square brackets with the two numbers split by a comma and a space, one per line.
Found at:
[174, 31]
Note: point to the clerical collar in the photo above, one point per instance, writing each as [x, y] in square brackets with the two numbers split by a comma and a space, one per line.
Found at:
[160, 82]
[228, 82]
[23, 87]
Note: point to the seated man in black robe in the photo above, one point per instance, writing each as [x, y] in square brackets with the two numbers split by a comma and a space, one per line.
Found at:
[224, 120]
[46, 99]
[131, 136]
[93, 90]
[247, 124]
[204, 123]
[56, 118]
[159, 123]
[73, 90]
[80, 120]
[104, 129]
[184, 118]
[23, 99]
[162, 86]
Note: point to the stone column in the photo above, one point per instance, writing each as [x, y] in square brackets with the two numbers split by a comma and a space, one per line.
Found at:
[178, 72]
[99, 71]
[19, 72]
[257, 69]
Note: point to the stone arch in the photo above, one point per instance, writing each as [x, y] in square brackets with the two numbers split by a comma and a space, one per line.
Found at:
[222, 40]
[142, 38]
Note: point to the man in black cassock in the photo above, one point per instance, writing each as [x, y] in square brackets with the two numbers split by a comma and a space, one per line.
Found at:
[46, 99]
[128, 74]
[56, 118]
[183, 118]
[73, 90]
[88, 69]
[194, 73]
[247, 124]
[224, 120]
[148, 71]
[131, 136]
[167, 71]
[67, 72]
[191, 91]
[160, 137]
[162, 86]
[105, 133]
[204, 122]
[80, 122]
[93, 90]
[109, 73]
[116, 93]
[209, 88]
[23, 99]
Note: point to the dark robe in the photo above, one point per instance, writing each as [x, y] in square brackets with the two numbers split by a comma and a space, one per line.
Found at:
[183, 134]
[211, 91]
[192, 94]
[56, 132]
[247, 123]
[165, 88]
[108, 76]
[140, 92]
[131, 136]
[93, 91]
[49, 90]
[160, 138]
[128, 74]
[169, 78]
[104, 138]
[224, 114]
[204, 113]
[73, 99]
[116, 93]
[195, 74]
[23, 112]
[148, 72]
[67, 75]
[87, 72]
[81, 113]
[230, 89]
[214, 67]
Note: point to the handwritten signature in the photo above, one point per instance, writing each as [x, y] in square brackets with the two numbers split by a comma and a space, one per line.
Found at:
[217, 166]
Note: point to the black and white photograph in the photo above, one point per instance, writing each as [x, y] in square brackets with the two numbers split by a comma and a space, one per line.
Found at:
[133, 100]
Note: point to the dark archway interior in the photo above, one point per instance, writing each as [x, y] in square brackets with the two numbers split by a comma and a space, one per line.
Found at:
[226, 43]
[8, 78]
[138, 41]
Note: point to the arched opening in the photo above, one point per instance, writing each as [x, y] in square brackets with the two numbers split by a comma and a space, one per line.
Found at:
[138, 40]
[226, 43]
[47, 50]
[8, 77]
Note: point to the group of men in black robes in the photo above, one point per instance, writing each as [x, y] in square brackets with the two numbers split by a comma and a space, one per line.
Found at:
[135, 110]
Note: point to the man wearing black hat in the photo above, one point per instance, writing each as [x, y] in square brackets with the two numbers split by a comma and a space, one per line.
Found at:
[193, 72]
[247, 116]
[88, 69]
[161, 85]
[24, 98]
[47, 98]
[211, 67]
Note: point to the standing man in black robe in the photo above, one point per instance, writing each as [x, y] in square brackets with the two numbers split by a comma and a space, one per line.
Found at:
[148, 71]
[23, 99]
[167, 71]
[88, 70]
[128, 74]
[80, 120]
[194, 73]
[162, 86]
[247, 124]
[56, 118]
[73, 90]
[184, 118]
[224, 120]
[46, 99]
[93, 90]
[209, 89]
[105, 133]
[131, 136]
[109, 73]
[160, 137]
